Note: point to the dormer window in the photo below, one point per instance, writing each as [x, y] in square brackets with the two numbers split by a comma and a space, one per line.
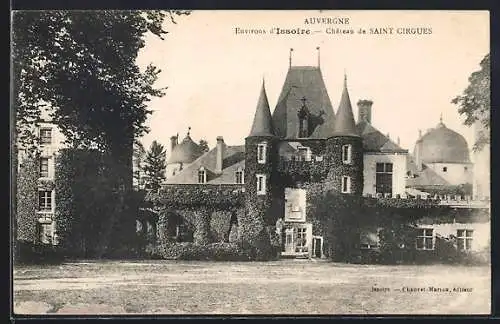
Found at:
[347, 154]
[202, 175]
[304, 154]
[46, 135]
[240, 176]
[261, 152]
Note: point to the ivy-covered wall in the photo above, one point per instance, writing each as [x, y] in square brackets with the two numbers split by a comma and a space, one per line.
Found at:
[337, 169]
[27, 200]
[261, 211]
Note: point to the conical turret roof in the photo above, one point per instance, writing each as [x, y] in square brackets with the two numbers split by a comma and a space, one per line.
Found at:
[262, 121]
[344, 124]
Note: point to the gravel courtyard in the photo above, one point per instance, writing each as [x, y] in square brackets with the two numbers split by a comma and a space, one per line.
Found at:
[281, 287]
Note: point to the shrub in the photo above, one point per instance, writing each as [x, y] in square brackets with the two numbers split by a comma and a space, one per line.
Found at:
[33, 253]
[191, 251]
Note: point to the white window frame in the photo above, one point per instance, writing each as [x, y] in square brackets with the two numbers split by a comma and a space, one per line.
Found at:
[261, 152]
[347, 157]
[202, 171]
[464, 238]
[425, 237]
[261, 184]
[49, 129]
[47, 174]
[347, 180]
[48, 201]
[240, 170]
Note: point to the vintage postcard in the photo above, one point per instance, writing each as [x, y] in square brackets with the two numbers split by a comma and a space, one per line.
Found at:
[251, 162]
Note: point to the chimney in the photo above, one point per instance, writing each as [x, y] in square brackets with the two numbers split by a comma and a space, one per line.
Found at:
[365, 111]
[173, 143]
[220, 154]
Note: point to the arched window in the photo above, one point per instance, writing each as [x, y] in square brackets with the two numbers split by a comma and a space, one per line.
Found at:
[240, 176]
[202, 175]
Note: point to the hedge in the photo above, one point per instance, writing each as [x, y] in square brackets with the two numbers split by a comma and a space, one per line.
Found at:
[192, 251]
[27, 200]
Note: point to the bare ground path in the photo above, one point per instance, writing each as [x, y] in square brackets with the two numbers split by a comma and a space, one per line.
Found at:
[282, 287]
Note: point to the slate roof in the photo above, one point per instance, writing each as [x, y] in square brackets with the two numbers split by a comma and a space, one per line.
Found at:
[300, 82]
[234, 157]
[375, 141]
[262, 121]
[425, 177]
[185, 152]
[344, 124]
[443, 145]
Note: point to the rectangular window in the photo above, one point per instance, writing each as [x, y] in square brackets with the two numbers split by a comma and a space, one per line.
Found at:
[45, 200]
[346, 184]
[261, 152]
[383, 178]
[44, 167]
[346, 154]
[425, 239]
[261, 184]
[46, 135]
[239, 177]
[464, 239]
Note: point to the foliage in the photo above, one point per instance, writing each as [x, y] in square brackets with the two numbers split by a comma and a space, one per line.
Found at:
[83, 196]
[138, 155]
[192, 251]
[190, 196]
[27, 201]
[474, 102]
[460, 190]
[82, 66]
[155, 165]
[203, 144]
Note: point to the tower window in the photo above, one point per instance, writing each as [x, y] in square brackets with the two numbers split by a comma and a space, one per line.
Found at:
[346, 184]
[261, 184]
[44, 167]
[202, 175]
[347, 154]
[45, 200]
[240, 177]
[445, 169]
[383, 178]
[261, 152]
[46, 135]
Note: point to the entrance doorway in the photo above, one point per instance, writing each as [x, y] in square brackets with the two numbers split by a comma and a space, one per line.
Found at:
[317, 247]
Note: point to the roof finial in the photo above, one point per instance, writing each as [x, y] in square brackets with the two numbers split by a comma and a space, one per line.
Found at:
[189, 130]
[441, 118]
[319, 57]
[290, 58]
[345, 78]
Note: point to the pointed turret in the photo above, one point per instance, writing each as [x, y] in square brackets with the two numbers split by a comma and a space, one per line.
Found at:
[344, 120]
[262, 121]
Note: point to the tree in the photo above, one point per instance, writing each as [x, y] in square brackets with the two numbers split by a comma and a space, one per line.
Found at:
[474, 103]
[138, 157]
[81, 67]
[204, 145]
[155, 165]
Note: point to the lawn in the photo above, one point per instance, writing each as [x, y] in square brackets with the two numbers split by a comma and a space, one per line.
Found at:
[281, 287]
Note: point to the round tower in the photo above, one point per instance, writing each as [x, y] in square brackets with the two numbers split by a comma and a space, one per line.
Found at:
[344, 151]
[261, 158]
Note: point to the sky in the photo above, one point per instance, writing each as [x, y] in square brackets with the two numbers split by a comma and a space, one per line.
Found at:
[214, 75]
